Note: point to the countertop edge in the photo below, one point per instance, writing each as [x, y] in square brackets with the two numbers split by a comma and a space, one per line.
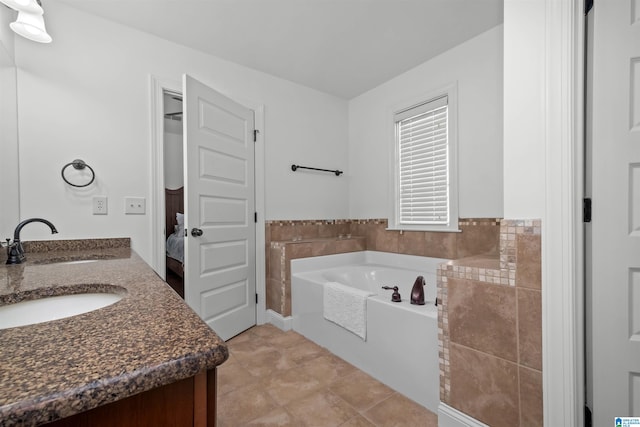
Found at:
[98, 393]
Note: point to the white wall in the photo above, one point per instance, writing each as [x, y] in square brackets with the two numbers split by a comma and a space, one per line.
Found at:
[173, 154]
[86, 95]
[524, 109]
[476, 66]
[9, 188]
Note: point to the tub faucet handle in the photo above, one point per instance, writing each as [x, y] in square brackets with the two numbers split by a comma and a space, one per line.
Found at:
[395, 297]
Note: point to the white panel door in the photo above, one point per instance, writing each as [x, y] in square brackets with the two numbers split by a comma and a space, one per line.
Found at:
[615, 238]
[220, 283]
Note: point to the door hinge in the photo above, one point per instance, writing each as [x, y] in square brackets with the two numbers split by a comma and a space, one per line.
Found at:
[255, 217]
[587, 417]
[586, 209]
[255, 135]
[588, 5]
[256, 298]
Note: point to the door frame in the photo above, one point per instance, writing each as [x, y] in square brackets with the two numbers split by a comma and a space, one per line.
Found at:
[157, 87]
[562, 226]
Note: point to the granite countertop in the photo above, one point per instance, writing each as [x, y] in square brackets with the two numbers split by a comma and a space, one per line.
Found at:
[148, 339]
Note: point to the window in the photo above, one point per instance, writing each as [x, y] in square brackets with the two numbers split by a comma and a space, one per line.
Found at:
[424, 175]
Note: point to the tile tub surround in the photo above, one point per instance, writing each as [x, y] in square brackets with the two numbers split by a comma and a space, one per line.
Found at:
[326, 237]
[148, 339]
[490, 330]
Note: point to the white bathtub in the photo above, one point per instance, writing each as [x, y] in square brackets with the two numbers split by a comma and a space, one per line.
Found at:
[401, 349]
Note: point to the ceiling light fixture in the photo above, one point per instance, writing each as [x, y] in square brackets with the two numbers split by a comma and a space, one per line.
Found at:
[31, 26]
[30, 23]
[31, 6]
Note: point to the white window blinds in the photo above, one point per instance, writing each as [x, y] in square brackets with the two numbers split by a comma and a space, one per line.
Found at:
[422, 142]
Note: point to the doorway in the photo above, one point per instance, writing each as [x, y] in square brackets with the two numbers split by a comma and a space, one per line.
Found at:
[174, 189]
[163, 219]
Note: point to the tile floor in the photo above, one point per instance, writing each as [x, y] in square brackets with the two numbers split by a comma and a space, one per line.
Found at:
[276, 378]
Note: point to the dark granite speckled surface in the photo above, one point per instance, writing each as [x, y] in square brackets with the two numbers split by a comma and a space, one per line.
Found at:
[147, 339]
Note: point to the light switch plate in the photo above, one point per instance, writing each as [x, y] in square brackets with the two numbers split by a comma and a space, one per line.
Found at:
[134, 205]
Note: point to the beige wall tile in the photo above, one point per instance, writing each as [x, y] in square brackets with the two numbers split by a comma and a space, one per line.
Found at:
[282, 232]
[343, 228]
[323, 247]
[484, 387]
[267, 232]
[440, 245]
[298, 250]
[385, 241]
[529, 266]
[275, 263]
[483, 316]
[530, 327]
[274, 295]
[531, 413]
[310, 230]
[348, 245]
[327, 230]
[366, 230]
[286, 299]
[412, 243]
[476, 239]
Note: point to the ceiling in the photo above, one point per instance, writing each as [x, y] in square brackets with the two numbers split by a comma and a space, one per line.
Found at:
[342, 47]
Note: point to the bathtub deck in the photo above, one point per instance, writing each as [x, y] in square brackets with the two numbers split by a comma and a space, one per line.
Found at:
[276, 378]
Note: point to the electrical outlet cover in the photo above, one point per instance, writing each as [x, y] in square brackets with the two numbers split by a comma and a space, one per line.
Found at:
[100, 205]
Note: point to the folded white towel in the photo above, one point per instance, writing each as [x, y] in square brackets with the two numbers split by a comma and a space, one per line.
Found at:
[347, 307]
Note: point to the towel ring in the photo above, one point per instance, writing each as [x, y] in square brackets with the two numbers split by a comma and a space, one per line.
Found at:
[78, 165]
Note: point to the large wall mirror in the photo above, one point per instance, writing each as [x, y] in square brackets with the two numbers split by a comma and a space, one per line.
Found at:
[9, 178]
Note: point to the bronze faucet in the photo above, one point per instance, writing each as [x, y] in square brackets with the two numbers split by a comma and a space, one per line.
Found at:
[15, 251]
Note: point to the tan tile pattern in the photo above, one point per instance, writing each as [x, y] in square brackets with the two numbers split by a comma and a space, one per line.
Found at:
[484, 387]
[482, 316]
[530, 328]
[494, 307]
[312, 387]
[530, 397]
[510, 231]
[280, 254]
[287, 240]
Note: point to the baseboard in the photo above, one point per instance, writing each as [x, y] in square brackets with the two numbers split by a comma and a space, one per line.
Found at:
[279, 321]
[450, 417]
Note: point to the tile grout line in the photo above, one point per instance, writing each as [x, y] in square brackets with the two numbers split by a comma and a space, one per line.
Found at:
[257, 343]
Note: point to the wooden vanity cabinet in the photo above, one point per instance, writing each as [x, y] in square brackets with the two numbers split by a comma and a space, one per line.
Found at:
[189, 402]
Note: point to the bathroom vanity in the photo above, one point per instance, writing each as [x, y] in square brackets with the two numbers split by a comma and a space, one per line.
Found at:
[146, 359]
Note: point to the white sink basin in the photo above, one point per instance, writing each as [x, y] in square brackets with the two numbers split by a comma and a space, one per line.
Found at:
[53, 308]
